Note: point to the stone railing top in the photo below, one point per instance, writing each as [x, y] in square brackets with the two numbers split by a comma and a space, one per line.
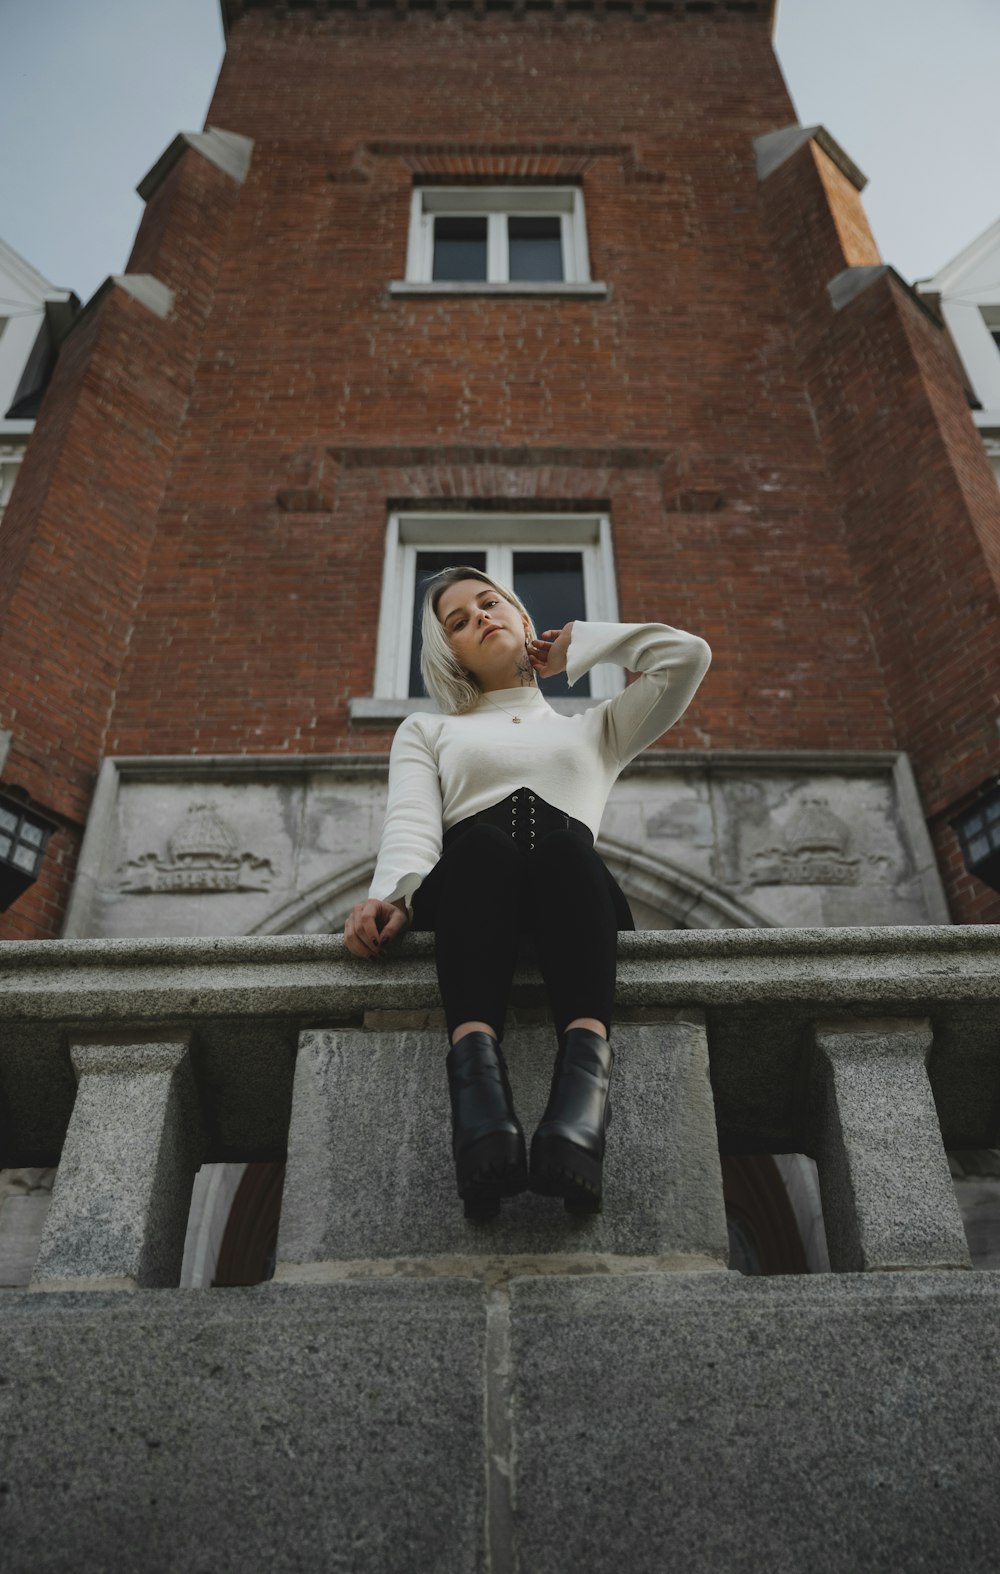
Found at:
[289, 974]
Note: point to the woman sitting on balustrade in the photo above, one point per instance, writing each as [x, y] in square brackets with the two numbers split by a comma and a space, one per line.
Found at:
[489, 831]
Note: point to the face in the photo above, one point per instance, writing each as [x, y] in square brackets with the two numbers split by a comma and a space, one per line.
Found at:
[484, 630]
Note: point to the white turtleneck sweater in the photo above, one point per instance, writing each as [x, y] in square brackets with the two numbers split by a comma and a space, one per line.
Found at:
[442, 769]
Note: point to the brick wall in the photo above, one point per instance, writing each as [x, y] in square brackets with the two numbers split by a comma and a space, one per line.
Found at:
[920, 504]
[313, 378]
[311, 399]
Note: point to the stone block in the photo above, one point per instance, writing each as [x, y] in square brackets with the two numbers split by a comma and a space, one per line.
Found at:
[297, 1428]
[370, 1172]
[22, 1220]
[123, 1188]
[714, 1423]
[888, 1200]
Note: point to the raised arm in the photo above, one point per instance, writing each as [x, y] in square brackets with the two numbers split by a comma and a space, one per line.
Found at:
[671, 665]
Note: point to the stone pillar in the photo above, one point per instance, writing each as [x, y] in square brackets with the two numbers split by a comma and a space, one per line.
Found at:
[888, 1200]
[370, 1173]
[123, 1188]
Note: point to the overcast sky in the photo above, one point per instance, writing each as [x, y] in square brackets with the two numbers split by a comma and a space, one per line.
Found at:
[92, 91]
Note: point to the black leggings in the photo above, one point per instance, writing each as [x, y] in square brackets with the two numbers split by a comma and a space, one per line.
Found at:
[484, 892]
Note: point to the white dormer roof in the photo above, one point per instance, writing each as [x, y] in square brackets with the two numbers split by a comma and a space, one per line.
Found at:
[974, 273]
[26, 298]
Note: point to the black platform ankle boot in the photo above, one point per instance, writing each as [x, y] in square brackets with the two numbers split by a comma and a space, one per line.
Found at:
[567, 1150]
[487, 1137]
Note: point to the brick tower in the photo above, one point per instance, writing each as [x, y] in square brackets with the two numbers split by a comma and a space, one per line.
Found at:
[560, 289]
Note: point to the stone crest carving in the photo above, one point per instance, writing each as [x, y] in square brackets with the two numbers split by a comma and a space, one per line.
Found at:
[202, 855]
[814, 850]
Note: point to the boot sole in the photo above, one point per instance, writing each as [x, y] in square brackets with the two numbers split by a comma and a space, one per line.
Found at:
[560, 1168]
[492, 1168]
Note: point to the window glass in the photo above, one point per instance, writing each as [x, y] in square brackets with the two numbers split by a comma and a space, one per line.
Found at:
[551, 586]
[459, 247]
[535, 248]
[24, 857]
[429, 564]
[8, 821]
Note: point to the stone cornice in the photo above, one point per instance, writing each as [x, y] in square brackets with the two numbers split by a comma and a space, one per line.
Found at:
[668, 10]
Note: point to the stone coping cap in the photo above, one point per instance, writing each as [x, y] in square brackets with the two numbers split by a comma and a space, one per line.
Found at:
[755, 10]
[913, 941]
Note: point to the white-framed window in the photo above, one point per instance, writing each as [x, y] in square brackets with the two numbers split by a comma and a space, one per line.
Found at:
[497, 235]
[561, 565]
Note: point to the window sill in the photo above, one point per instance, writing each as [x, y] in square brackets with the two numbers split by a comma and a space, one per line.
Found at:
[561, 287]
[374, 712]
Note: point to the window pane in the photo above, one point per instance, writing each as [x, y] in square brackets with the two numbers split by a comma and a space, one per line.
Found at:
[31, 833]
[429, 564]
[551, 586]
[8, 821]
[25, 858]
[4, 846]
[535, 248]
[459, 248]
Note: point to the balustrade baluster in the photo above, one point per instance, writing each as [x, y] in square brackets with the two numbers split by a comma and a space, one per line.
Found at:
[888, 1199]
[123, 1188]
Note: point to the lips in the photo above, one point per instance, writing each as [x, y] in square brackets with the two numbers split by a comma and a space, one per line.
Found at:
[494, 630]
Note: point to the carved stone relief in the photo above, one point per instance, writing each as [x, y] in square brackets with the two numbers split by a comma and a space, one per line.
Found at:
[202, 855]
[814, 848]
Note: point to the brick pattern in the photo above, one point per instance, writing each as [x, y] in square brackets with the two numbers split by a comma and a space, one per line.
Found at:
[304, 431]
[854, 234]
[920, 504]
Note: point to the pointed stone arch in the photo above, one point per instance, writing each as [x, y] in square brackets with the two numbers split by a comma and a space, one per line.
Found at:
[689, 900]
[686, 900]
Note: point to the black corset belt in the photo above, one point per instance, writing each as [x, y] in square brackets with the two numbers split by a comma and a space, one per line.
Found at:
[526, 818]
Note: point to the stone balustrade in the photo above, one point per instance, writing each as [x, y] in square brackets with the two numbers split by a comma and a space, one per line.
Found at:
[131, 1063]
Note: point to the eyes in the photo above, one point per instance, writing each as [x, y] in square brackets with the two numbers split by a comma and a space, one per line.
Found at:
[460, 622]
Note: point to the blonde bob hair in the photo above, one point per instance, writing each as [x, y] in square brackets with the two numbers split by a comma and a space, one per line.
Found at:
[445, 679]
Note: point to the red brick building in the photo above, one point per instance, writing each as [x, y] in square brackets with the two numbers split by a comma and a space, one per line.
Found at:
[563, 285]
